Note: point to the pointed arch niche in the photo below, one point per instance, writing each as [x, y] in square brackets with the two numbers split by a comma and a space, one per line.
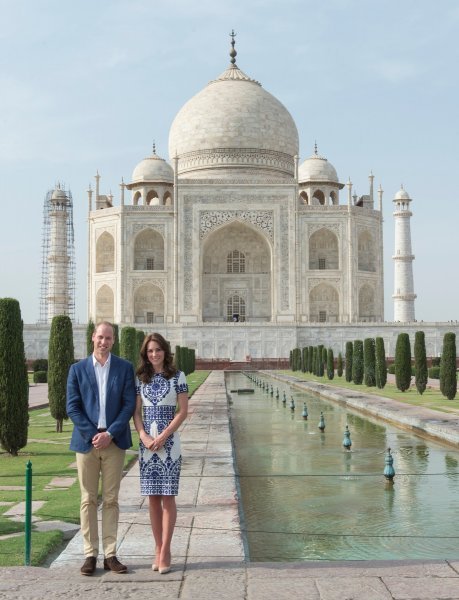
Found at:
[149, 251]
[324, 304]
[105, 305]
[367, 303]
[323, 250]
[367, 256]
[105, 253]
[149, 304]
[236, 270]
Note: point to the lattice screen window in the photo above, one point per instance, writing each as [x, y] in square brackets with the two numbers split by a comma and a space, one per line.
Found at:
[235, 262]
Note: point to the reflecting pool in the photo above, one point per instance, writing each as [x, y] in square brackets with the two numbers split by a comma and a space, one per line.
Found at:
[304, 497]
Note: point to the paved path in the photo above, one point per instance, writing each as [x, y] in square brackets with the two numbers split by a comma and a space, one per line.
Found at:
[208, 556]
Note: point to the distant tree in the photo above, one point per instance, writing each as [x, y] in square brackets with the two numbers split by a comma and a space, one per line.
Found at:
[369, 362]
[448, 376]
[40, 364]
[89, 331]
[420, 362]
[348, 361]
[339, 365]
[129, 345]
[324, 358]
[193, 360]
[310, 358]
[60, 358]
[381, 365]
[304, 359]
[290, 360]
[330, 364]
[296, 359]
[116, 345]
[178, 358]
[314, 361]
[320, 360]
[357, 362]
[403, 362]
[140, 335]
[14, 384]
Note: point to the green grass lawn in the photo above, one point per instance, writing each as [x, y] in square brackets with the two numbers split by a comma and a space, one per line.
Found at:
[431, 398]
[50, 456]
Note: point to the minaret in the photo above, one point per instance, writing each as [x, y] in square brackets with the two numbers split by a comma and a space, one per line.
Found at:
[58, 274]
[404, 295]
[58, 257]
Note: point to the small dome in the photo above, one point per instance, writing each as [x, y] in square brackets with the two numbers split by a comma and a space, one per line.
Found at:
[153, 169]
[59, 195]
[316, 168]
[402, 194]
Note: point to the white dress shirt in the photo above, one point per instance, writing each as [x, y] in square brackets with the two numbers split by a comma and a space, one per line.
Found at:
[101, 372]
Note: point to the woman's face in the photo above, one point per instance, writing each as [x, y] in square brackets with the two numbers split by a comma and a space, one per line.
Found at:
[155, 355]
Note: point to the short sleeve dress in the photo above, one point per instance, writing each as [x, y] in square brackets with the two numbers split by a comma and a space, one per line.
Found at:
[160, 471]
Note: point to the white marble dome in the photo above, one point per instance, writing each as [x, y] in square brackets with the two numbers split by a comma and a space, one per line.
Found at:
[234, 123]
[58, 195]
[316, 168]
[402, 195]
[153, 169]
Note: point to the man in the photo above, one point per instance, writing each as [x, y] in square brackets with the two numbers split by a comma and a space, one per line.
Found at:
[100, 402]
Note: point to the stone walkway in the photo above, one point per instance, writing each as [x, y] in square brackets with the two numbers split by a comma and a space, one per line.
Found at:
[208, 553]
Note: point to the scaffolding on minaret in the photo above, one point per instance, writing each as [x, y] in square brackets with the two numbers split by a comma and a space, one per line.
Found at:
[57, 290]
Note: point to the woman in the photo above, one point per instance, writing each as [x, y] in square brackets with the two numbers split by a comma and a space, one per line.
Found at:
[161, 389]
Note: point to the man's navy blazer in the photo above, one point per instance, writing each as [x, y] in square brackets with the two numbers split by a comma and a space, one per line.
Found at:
[83, 402]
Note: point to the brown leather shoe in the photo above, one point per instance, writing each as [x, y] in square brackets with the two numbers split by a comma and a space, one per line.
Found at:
[113, 564]
[89, 565]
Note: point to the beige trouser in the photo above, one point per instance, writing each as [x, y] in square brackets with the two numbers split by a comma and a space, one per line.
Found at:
[107, 463]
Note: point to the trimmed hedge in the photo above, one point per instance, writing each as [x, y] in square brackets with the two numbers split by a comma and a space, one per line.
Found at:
[420, 362]
[381, 364]
[40, 377]
[357, 362]
[369, 362]
[403, 362]
[448, 376]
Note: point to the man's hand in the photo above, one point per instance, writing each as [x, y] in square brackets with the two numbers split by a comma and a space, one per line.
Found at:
[101, 440]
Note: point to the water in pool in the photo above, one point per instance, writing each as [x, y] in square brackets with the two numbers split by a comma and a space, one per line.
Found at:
[304, 497]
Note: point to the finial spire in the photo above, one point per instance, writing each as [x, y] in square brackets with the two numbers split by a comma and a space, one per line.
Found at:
[315, 148]
[154, 148]
[233, 52]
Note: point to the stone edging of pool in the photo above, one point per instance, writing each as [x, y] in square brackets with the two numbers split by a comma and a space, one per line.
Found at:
[422, 421]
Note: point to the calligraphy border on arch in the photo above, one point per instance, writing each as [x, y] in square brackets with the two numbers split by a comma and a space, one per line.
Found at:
[261, 219]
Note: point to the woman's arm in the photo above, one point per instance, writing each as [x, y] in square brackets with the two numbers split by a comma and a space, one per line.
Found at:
[147, 440]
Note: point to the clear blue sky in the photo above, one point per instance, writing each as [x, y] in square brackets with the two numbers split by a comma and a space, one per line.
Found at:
[89, 85]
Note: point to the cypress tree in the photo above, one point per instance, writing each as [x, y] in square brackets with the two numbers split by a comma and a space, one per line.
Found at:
[140, 335]
[381, 365]
[330, 364]
[129, 345]
[304, 359]
[116, 345]
[290, 360]
[357, 362]
[420, 362]
[14, 384]
[310, 359]
[178, 358]
[193, 360]
[314, 360]
[448, 377]
[403, 362]
[60, 358]
[89, 331]
[324, 358]
[369, 362]
[339, 365]
[348, 358]
[320, 360]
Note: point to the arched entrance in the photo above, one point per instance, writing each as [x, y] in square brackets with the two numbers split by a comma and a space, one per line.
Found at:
[236, 275]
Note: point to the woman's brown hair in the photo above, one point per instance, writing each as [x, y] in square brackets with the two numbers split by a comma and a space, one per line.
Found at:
[145, 369]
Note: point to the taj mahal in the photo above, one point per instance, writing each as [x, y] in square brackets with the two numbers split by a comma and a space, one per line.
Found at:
[238, 248]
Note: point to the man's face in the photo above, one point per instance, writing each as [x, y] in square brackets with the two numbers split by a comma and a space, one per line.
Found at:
[103, 339]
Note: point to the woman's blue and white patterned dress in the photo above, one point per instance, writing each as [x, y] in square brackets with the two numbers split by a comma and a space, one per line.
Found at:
[160, 471]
